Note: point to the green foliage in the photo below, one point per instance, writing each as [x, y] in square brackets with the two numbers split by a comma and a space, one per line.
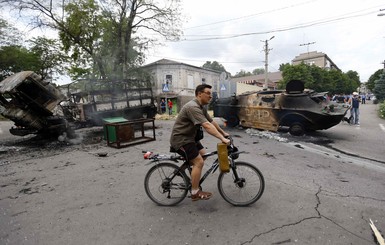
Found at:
[214, 66]
[15, 59]
[105, 37]
[258, 71]
[379, 88]
[80, 35]
[373, 78]
[51, 59]
[297, 72]
[44, 58]
[320, 80]
[243, 73]
[381, 111]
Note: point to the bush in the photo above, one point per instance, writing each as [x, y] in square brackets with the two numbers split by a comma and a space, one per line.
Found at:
[381, 111]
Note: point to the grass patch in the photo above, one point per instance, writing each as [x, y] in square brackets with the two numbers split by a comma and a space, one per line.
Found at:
[381, 111]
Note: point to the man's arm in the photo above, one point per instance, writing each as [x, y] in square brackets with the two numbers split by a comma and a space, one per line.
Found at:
[220, 130]
[211, 129]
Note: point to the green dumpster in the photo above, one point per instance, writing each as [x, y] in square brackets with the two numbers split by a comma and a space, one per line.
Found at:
[109, 127]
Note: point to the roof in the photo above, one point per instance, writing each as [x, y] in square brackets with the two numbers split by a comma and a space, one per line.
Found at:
[14, 80]
[272, 77]
[172, 62]
[310, 55]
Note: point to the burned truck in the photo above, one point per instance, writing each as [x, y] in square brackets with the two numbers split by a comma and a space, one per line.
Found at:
[32, 104]
[98, 100]
[38, 107]
[295, 108]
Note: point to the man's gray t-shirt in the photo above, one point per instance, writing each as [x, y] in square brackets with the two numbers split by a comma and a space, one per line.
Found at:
[185, 127]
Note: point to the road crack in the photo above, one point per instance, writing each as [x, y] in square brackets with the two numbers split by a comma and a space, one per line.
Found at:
[317, 216]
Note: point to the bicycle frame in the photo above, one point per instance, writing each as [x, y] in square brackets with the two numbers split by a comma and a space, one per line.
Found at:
[167, 183]
[158, 158]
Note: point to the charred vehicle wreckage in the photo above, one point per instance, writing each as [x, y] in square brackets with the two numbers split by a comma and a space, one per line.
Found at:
[295, 108]
[38, 107]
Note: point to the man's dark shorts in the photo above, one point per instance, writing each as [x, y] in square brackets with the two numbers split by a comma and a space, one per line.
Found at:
[190, 150]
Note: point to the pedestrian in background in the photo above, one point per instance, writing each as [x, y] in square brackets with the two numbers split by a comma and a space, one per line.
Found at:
[354, 102]
[170, 107]
[363, 98]
[162, 106]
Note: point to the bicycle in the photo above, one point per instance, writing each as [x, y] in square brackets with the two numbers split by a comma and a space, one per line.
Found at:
[167, 184]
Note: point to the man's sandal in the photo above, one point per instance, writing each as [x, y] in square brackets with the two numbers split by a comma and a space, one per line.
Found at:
[201, 195]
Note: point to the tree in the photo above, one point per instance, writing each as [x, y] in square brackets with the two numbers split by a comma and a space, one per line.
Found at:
[320, 80]
[43, 58]
[375, 76]
[243, 73]
[51, 60]
[90, 28]
[258, 71]
[379, 88]
[15, 59]
[296, 72]
[214, 66]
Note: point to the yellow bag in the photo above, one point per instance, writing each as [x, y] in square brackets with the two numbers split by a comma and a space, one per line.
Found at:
[223, 159]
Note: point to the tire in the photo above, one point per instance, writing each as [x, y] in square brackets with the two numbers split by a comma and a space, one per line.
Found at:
[162, 191]
[246, 192]
[297, 129]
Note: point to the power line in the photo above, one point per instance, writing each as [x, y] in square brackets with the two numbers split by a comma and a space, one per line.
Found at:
[252, 15]
[299, 26]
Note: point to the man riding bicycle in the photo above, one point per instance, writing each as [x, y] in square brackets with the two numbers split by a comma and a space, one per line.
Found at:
[187, 133]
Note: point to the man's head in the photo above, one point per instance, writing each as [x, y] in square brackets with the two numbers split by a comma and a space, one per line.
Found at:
[203, 93]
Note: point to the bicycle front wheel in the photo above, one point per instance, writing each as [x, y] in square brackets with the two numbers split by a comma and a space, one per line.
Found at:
[242, 186]
[165, 184]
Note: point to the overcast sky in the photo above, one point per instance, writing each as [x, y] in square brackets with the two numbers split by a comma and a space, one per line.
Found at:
[234, 33]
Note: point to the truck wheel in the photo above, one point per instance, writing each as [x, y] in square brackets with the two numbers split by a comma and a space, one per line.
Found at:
[297, 129]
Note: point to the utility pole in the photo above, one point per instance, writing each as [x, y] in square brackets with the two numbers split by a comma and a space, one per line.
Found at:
[307, 44]
[265, 86]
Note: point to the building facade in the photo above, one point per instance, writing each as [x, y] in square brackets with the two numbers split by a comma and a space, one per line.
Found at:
[315, 58]
[177, 81]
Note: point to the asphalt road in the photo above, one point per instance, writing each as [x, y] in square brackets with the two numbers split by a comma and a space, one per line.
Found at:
[320, 189]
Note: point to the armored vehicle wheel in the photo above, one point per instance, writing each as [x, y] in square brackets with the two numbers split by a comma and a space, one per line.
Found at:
[297, 129]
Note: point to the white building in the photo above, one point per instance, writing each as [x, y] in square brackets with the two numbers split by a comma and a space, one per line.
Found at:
[177, 81]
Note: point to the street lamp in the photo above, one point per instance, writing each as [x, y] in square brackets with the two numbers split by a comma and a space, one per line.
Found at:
[265, 86]
[381, 14]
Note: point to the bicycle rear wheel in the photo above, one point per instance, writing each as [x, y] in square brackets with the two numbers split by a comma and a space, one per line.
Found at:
[165, 184]
[243, 186]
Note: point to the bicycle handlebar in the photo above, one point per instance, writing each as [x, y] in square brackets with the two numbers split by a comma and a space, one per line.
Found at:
[233, 150]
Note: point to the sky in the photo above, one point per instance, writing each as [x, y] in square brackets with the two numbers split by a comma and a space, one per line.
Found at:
[233, 33]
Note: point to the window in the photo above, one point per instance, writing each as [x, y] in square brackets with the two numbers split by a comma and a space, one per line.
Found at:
[169, 79]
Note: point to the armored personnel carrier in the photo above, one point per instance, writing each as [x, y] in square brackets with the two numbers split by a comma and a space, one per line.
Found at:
[297, 109]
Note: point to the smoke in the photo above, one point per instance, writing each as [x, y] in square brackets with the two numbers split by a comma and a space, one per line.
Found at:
[78, 139]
